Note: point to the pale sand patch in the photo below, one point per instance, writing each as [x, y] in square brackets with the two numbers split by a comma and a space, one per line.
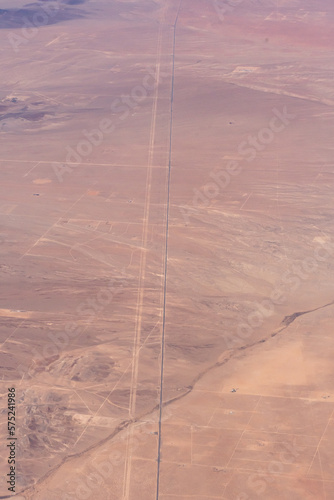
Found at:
[42, 181]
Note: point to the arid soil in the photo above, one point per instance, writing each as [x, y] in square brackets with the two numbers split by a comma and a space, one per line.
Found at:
[167, 245]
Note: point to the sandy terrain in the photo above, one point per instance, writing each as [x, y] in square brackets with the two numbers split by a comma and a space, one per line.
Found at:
[167, 244]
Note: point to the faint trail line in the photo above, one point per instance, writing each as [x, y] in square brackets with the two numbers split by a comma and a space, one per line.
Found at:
[54, 224]
[84, 402]
[38, 163]
[317, 451]
[12, 333]
[83, 164]
[166, 257]
[54, 40]
[244, 203]
[48, 98]
[243, 432]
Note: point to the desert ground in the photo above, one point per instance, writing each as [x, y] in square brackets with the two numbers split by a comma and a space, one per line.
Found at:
[167, 246]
